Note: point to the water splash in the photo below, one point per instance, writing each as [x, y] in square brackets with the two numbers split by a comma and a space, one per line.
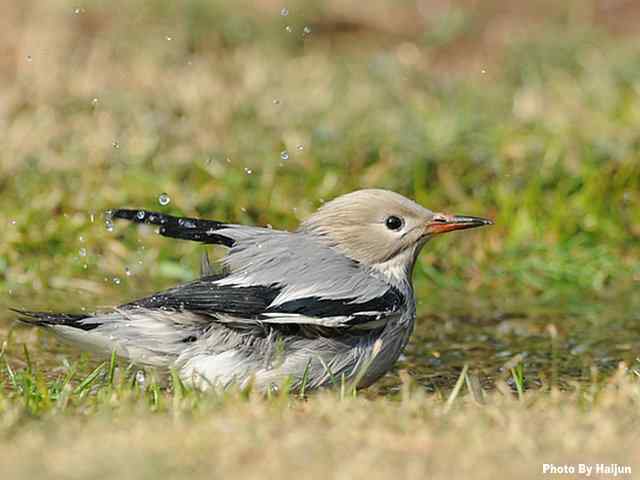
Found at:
[164, 199]
[108, 220]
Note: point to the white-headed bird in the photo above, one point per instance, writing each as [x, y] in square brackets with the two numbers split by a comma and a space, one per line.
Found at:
[332, 300]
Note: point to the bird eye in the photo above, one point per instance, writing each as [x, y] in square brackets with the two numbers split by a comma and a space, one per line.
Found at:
[394, 223]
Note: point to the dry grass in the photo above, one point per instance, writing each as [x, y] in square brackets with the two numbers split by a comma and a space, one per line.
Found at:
[413, 436]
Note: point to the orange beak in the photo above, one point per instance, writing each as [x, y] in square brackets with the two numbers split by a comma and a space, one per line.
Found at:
[442, 223]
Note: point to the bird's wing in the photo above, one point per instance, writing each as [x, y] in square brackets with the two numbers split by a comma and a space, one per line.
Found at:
[251, 305]
[272, 276]
[187, 228]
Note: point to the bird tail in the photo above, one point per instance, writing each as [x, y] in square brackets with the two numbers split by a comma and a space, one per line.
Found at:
[144, 336]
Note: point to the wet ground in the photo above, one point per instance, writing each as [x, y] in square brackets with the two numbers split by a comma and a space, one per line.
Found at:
[549, 346]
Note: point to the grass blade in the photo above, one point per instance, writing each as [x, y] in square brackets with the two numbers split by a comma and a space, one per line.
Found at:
[456, 389]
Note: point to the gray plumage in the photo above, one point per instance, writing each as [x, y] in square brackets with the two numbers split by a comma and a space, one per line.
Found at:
[332, 300]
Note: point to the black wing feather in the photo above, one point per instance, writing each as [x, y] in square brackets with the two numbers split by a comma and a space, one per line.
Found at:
[205, 296]
[183, 228]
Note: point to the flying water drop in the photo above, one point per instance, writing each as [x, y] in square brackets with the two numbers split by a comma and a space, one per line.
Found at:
[164, 199]
[284, 155]
[140, 378]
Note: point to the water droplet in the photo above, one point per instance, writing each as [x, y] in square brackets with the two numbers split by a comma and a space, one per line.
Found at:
[276, 101]
[95, 100]
[164, 199]
[140, 214]
[248, 171]
[228, 160]
[243, 210]
[127, 271]
[82, 252]
[13, 222]
[85, 266]
[185, 222]
[81, 238]
[288, 28]
[29, 58]
[78, 10]
[483, 71]
[116, 280]
[284, 155]
[92, 218]
[108, 220]
[284, 12]
[306, 30]
[169, 38]
[115, 144]
[300, 147]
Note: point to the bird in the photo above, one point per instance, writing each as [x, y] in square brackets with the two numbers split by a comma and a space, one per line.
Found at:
[328, 303]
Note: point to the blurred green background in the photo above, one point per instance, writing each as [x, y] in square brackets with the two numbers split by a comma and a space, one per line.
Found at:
[256, 112]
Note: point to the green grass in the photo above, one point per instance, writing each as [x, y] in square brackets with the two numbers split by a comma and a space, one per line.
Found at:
[528, 116]
[110, 423]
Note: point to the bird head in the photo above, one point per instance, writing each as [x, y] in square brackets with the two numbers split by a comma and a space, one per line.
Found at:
[382, 229]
